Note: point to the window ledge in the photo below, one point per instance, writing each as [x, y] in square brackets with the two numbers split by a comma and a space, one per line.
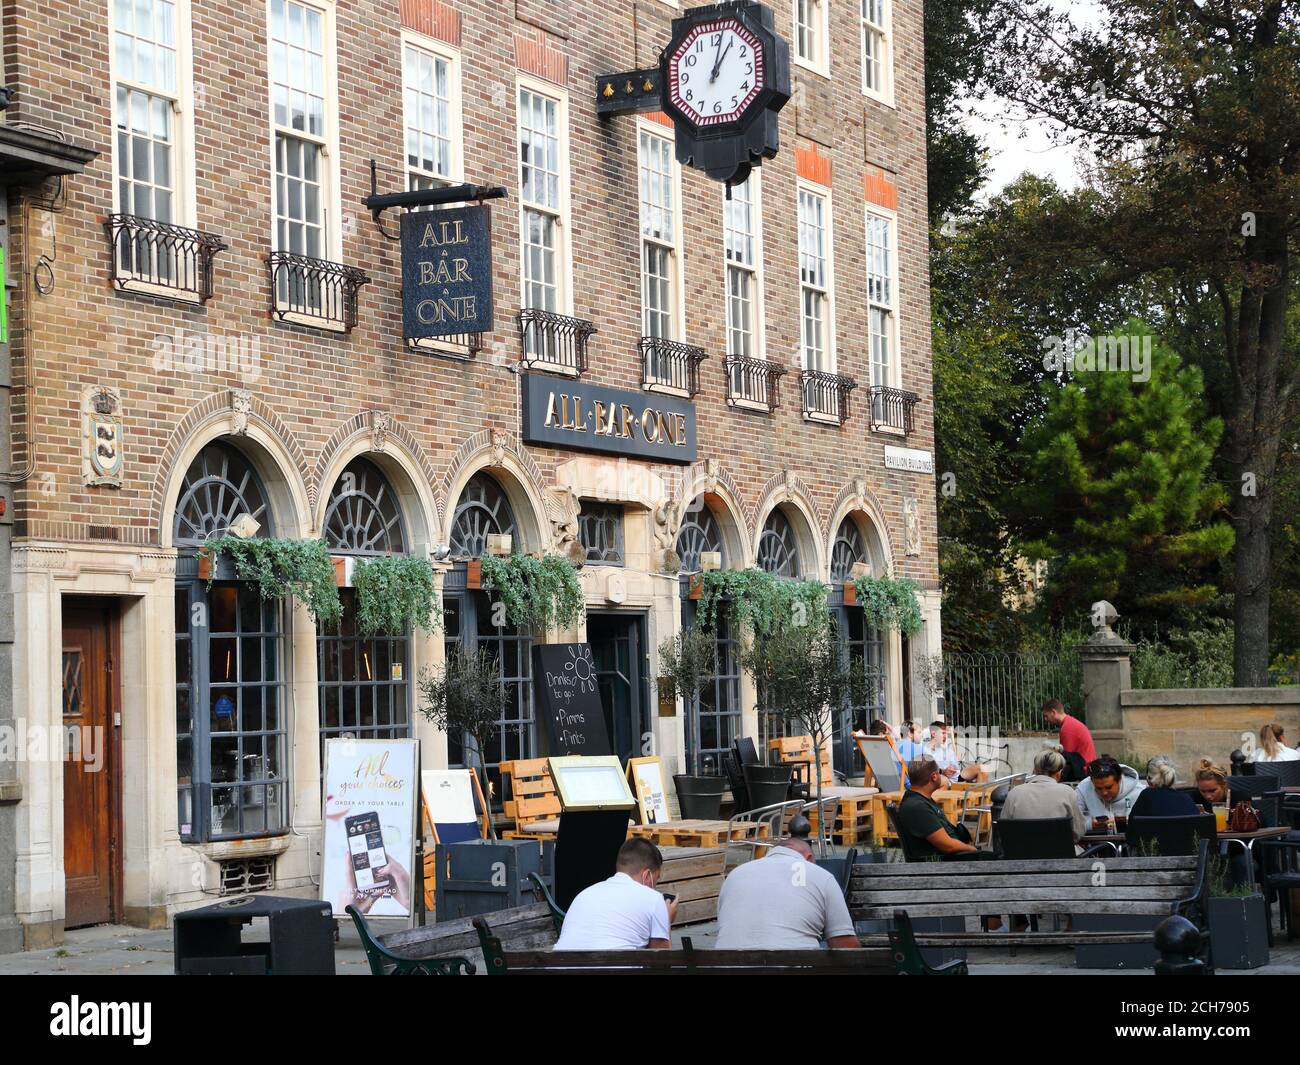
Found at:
[666, 390]
[309, 320]
[822, 70]
[447, 349]
[229, 849]
[823, 419]
[749, 404]
[559, 369]
[879, 98]
[889, 430]
[127, 283]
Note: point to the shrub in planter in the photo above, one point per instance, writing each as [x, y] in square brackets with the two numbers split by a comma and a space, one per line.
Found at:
[394, 593]
[280, 568]
[686, 661]
[889, 603]
[1238, 921]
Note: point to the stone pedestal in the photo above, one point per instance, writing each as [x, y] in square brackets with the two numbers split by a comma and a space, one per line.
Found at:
[1105, 662]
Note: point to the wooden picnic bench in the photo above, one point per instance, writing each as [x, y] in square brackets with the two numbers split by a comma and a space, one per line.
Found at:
[1143, 886]
[901, 956]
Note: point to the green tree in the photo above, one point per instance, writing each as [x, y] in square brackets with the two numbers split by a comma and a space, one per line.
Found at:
[1191, 111]
[1118, 495]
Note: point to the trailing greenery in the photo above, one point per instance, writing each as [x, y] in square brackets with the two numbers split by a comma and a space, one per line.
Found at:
[394, 593]
[766, 604]
[536, 592]
[890, 603]
[300, 568]
[467, 699]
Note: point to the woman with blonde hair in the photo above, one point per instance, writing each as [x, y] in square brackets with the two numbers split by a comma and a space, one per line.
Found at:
[1212, 783]
[1271, 748]
[1160, 799]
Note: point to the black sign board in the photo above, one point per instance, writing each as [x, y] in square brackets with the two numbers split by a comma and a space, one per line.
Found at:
[573, 414]
[568, 699]
[446, 272]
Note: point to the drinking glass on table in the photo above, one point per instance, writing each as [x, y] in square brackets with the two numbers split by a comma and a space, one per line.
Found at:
[1221, 818]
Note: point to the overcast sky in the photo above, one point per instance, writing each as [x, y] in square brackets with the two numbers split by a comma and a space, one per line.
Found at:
[1016, 144]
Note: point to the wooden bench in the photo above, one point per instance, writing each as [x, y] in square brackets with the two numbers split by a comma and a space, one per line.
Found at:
[901, 956]
[452, 948]
[1155, 886]
[534, 804]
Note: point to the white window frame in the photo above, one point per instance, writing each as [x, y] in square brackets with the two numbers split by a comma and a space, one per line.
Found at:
[564, 246]
[820, 63]
[676, 295]
[812, 188]
[885, 92]
[184, 168]
[895, 369]
[759, 317]
[437, 50]
[331, 181]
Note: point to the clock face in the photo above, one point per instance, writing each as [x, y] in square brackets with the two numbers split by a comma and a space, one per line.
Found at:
[716, 72]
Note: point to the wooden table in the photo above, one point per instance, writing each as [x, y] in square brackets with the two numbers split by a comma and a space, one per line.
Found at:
[697, 833]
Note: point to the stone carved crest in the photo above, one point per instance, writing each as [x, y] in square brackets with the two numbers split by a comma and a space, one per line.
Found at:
[241, 409]
[498, 448]
[562, 510]
[712, 471]
[102, 456]
[911, 526]
[667, 518]
[381, 424]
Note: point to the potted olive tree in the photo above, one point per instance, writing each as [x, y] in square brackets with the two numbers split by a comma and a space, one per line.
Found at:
[686, 661]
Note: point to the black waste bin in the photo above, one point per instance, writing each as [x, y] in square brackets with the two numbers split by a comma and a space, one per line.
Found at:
[209, 941]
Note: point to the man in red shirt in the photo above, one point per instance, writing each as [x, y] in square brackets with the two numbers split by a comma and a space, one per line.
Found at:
[1075, 737]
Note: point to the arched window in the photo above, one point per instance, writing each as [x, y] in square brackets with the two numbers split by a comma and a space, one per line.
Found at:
[363, 517]
[230, 669]
[699, 533]
[778, 552]
[482, 510]
[848, 550]
[363, 680]
[218, 488]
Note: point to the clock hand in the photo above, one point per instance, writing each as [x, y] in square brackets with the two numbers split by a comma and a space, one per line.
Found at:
[717, 60]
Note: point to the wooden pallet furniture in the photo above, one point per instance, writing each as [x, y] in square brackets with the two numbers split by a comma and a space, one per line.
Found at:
[452, 948]
[900, 956]
[534, 804]
[852, 822]
[696, 833]
[881, 831]
[1152, 886]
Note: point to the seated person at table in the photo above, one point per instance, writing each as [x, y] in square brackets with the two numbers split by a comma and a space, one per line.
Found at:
[1044, 796]
[1109, 792]
[909, 745]
[624, 912]
[1271, 748]
[944, 757]
[1159, 798]
[1212, 783]
[1076, 740]
[922, 820]
[783, 901]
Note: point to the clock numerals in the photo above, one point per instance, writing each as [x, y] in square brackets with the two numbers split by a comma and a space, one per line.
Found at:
[719, 89]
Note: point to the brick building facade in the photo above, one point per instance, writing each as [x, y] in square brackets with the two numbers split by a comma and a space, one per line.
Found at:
[242, 388]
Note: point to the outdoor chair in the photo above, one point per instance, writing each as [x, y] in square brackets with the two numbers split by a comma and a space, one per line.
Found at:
[826, 809]
[1041, 837]
[1283, 878]
[841, 867]
[910, 851]
[1285, 774]
[777, 817]
[1169, 836]
[736, 778]
[746, 752]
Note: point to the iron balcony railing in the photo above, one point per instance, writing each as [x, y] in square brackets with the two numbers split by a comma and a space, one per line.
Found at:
[826, 395]
[893, 408]
[454, 345]
[149, 255]
[554, 341]
[753, 382]
[314, 291]
[670, 364]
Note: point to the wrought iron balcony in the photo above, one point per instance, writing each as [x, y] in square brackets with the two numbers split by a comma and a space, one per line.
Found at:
[753, 383]
[826, 395]
[161, 259]
[554, 341]
[314, 292]
[452, 346]
[670, 364]
[893, 409]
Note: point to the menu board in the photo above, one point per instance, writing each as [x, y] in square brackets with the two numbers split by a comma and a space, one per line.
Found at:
[648, 784]
[568, 699]
[369, 845]
[596, 783]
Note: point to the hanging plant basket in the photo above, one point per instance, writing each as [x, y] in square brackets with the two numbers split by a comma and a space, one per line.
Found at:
[888, 603]
[280, 568]
[761, 601]
[537, 592]
[394, 593]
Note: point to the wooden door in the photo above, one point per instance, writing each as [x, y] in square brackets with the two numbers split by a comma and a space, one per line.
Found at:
[90, 771]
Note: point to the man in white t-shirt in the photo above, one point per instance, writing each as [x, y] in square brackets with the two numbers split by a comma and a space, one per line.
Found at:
[624, 912]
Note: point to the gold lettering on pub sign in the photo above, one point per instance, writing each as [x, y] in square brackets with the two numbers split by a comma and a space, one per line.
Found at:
[617, 421]
[447, 269]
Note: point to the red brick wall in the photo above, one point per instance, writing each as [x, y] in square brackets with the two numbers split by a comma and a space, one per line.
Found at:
[56, 52]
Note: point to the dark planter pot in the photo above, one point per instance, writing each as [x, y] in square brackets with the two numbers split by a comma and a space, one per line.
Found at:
[483, 876]
[1238, 932]
[700, 798]
[767, 784]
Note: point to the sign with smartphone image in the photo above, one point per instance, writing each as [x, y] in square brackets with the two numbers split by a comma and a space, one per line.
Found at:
[368, 850]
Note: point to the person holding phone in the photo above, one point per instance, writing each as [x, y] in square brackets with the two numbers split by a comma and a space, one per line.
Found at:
[625, 912]
[1109, 792]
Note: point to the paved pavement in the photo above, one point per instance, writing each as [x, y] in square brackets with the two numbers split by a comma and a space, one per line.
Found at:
[123, 951]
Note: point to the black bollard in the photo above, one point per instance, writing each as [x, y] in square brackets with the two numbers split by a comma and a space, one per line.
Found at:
[1238, 761]
[1178, 942]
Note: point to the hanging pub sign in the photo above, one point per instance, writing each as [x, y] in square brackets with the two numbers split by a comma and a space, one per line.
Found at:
[446, 272]
[559, 412]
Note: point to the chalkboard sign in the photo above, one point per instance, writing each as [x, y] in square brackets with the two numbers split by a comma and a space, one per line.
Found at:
[568, 699]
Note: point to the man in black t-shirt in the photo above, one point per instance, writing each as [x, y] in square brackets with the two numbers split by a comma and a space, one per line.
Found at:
[922, 820]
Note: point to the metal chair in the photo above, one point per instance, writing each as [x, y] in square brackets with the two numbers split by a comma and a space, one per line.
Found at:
[1285, 774]
[978, 800]
[777, 817]
[1041, 837]
[826, 809]
[1170, 836]
[736, 778]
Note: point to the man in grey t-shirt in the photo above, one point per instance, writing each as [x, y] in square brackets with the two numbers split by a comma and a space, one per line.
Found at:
[783, 901]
